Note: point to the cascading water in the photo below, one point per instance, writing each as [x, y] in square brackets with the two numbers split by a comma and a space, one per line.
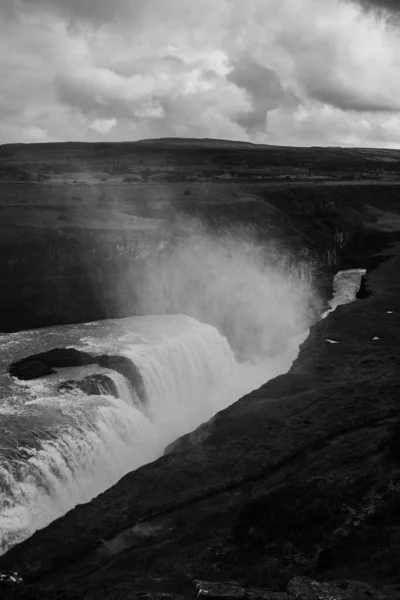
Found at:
[59, 449]
[248, 316]
[346, 285]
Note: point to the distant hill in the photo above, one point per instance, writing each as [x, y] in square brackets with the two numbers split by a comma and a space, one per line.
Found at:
[158, 142]
[202, 142]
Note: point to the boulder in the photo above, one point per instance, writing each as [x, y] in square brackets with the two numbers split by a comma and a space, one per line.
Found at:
[66, 357]
[42, 364]
[30, 369]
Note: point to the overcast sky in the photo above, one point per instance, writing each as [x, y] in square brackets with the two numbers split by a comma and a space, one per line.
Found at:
[300, 72]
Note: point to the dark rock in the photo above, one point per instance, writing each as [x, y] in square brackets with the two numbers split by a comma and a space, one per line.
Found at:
[40, 365]
[234, 591]
[30, 369]
[299, 588]
[393, 443]
[363, 292]
[302, 588]
[93, 385]
[12, 579]
[186, 442]
[129, 370]
[44, 363]
[66, 357]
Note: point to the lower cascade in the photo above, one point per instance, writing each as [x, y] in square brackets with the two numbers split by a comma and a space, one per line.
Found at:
[60, 447]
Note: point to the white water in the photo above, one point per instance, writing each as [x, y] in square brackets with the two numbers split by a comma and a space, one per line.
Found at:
[77, 446]
[346, 284]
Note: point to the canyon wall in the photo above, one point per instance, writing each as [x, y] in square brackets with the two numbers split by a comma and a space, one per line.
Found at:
[75, 253]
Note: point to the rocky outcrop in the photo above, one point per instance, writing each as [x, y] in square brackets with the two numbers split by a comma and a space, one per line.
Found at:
[129, 370]
[93, 385]
[30, 369]
[45, 363]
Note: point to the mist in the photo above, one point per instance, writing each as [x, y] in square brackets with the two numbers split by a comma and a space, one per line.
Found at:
[218, 314]
[241, 310]
[257, 295]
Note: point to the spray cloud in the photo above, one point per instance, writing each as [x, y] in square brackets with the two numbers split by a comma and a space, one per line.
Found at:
[257, 295]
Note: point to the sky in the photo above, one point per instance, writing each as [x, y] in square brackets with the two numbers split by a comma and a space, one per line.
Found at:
[289, 72]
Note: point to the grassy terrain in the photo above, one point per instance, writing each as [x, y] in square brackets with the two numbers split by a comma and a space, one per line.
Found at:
[171, 160]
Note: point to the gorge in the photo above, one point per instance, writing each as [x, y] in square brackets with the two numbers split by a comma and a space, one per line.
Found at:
[300, 476]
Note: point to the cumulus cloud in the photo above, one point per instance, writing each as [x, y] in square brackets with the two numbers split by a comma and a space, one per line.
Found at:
[282, 71]
[348, 60]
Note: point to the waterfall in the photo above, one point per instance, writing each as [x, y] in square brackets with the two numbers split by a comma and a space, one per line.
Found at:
[82, 445]
[346, 285]
[64, 449]
[185, 377]
[85, 458]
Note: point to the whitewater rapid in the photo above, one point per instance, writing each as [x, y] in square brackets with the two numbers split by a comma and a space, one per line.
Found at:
[59, 449]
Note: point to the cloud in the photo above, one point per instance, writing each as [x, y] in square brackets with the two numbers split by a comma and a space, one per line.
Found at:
[282, 71]
[349, 60]
[264, 89]
[103, 126]
[96, 11]
[391, 5]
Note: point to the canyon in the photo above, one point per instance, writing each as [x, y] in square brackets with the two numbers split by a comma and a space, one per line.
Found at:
[301, 477]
